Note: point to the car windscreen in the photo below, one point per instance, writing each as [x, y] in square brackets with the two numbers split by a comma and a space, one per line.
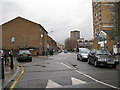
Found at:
[24, 52]
[102, 52]
[84, 51]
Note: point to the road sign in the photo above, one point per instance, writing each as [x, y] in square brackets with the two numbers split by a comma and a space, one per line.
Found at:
[98, 37]
[48, 47]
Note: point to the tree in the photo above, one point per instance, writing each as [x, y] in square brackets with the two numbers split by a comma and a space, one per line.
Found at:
[70, 44]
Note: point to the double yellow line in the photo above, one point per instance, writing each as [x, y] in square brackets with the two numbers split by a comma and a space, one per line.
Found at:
[13, 85]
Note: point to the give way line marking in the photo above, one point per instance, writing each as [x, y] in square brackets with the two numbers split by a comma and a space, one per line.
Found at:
[97, 80]
[75, 81]
[93, 78]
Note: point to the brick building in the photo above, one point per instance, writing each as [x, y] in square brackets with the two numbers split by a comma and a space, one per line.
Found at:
[82, 43]
[104, 20]
[75, 35]
[21, 33]
[52, 44]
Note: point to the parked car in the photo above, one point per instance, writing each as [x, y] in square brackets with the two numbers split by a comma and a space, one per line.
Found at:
[102, 58]
[1, 53]
[83, 54]
[24, 55]
[59, 51]
[65, 51]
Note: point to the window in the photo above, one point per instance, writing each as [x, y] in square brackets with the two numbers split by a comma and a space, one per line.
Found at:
[13, 40]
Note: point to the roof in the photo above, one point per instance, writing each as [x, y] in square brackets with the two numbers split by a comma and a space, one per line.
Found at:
[26, 20]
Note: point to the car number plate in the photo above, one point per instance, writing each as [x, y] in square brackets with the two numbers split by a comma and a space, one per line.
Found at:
[25, 55]
[110, 62]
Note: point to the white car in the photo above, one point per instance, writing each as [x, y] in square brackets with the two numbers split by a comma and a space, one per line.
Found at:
[83, 54]
[1, 53]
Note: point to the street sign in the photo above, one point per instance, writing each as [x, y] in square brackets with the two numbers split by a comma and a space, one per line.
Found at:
[48, 47]
[98, 37]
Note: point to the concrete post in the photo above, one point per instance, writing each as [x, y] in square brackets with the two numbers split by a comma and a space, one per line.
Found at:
[2, 68]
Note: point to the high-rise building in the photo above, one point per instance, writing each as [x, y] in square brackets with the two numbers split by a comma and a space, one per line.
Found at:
[103, 16]
[75, 34]
[106, 23]
[117, 16]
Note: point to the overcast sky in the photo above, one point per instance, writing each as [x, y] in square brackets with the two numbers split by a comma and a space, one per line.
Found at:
[59, 16]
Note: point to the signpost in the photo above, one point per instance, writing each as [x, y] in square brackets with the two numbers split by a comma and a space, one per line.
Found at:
[99, 38]
[102, 39]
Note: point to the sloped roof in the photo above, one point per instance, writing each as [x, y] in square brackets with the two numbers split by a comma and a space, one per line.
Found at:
[26, 20]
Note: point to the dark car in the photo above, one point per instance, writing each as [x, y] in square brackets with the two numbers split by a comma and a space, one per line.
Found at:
[83, 54]
[24, 55]
[102, 58]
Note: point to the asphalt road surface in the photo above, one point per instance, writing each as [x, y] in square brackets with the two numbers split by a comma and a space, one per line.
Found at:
[64, 71]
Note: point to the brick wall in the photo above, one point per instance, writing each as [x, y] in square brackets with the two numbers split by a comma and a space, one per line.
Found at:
[26, 34]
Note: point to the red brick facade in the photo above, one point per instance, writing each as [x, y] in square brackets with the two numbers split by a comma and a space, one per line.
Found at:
[25, 34]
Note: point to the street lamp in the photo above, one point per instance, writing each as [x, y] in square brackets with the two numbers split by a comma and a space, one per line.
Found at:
[43, 40]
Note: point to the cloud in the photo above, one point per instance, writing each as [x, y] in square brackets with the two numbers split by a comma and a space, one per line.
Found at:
[60, 16]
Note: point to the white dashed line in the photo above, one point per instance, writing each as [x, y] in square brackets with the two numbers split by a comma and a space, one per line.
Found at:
[92, 78]
[66, 65]
[79, 72]
[98, 80]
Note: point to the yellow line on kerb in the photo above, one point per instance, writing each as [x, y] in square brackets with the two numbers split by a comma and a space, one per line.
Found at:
[13, 85]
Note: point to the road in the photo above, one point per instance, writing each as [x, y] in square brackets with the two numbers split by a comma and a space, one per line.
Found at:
[65, 71]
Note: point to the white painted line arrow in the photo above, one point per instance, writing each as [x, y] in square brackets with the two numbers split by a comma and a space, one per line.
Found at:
[52, 84]
[76, 81]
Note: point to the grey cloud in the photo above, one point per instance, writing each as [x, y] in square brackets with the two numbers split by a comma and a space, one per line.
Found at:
[60, 16]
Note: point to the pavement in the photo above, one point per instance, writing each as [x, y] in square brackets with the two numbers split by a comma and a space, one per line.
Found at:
[9, 75]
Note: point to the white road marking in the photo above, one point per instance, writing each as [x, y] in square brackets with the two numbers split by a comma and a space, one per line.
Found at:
[52, 84]
[76, 81]
[79, 72]
[66, 65]
[98, 81]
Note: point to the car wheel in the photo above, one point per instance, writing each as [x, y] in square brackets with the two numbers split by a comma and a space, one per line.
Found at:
[114, 67]
[30, 60]
[88, 61]
[78, 58]
[95, 63]
[18, 60]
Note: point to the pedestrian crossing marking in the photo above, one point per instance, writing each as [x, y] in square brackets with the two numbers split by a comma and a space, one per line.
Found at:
[76, 81]
[52, 84]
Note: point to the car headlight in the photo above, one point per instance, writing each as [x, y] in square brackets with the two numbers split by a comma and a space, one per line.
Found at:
[101, 59]
[116, 60]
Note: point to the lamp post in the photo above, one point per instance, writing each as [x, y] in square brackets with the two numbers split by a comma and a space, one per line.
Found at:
[42, 36]
[48, 44]
[43, 41]
[24, 42]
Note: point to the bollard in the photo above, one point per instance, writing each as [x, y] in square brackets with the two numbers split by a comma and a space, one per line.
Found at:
[5, 59]
[11, 63]
[2, 68]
